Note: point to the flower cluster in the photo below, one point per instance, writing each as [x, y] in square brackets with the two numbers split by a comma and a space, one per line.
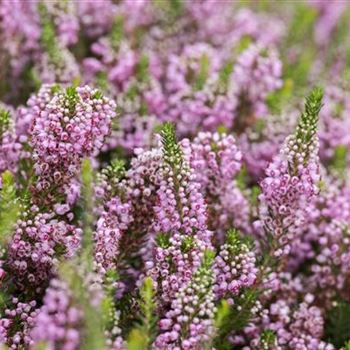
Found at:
[35, 246]
[22, 316]
[256, 74]
[291, 180]
[11, 149]
[67, 127]
[193, 309]
[235, 267]
[216, 160]
[57, 322]
[110, 227]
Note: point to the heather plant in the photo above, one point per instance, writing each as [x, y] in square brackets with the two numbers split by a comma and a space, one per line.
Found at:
[174, 175]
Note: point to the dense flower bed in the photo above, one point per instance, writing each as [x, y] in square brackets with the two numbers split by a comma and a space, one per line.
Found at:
[174, 175]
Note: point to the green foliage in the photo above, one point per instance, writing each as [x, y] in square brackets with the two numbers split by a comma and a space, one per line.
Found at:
[97, 95]
[278, 99]
[303, 22]
[96, 319]
[244, 43]
[235, 242]
[237, 318]
[143, 335]
[340, 37]
[39, 346]
[225, 74]
[172, 152]
[5, 121]
[203, 73]
[176, 6]
[132, 92]
[112, 174]
[33, 82]
[55, 89]
[254, 195]
[102, 81]
[204, 278]
[222, 313]
[48, 35]
[232, 237]
[142, 69]
[93, 336]
[172, 8]
[303, 139]
[239, 314]
[338, 162]
[117, 31]
[299, 31]
[222, 129]
[71, 98]
[163, 240]
[337, 328]
[187, 244]
[309, 118]
[267, 339]
[115, 170]
[136, 340]
[87, 203]
[9, 206]
[307, 125]
[208, 260]
[346, 346]
[108, 304]
[242, 178]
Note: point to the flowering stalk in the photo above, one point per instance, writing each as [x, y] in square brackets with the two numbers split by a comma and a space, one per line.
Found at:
[291, 180]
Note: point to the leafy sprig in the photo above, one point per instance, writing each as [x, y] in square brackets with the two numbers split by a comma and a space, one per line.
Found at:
[172, 152]
[5, 121]
[143, 335]
[9, 206]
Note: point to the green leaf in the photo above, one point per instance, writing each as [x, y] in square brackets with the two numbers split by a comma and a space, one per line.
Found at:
[203, 73]
[338, 162]
[242, 178]
[222, 313]
[97, 95]
[307, 124]
[172, 152]
[137, 340]
[237, 318]
[48, 35]
[187, 244]
[225, 74]
[337, 327]
[9, 206]
[244, 43]
[268, 339]
[144, 334]
[303, 22]
[88, 219]
[55, 89]
[93, 337]
[40, 346]
[279, 98]
[71, 99]
[117, 31]
[5, 121]
[142, 69]
[346, 346]
[163, 240]
[102, 80]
